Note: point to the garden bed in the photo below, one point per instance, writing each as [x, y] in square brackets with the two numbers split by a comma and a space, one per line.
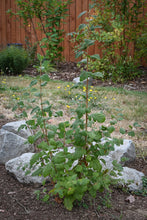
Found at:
[18, 201]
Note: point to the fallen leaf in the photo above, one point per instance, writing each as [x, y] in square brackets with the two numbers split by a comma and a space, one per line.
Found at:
[58, 200]
[130, 199]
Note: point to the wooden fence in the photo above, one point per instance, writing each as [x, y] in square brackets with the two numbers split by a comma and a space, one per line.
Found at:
[12, 30]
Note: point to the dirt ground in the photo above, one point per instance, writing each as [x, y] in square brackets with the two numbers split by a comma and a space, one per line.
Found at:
[69, 71]
[18, 201]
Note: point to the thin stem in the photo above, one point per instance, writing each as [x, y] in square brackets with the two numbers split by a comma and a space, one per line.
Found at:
[41, 103]
[86, 115]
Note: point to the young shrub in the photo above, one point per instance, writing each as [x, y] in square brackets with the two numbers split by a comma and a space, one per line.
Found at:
[13, 60]
[78, 169]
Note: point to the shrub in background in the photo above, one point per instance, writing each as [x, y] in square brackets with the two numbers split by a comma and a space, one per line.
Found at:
[118, 28]
[13, 60]
[50, 15]
[31, 50]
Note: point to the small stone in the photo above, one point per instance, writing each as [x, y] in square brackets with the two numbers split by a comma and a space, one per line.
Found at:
[130, 199]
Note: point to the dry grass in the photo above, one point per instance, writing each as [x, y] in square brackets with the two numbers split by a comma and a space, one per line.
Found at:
[131, 105]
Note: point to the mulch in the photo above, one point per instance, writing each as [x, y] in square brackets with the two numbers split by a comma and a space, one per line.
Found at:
[18, 201]
[67, 71]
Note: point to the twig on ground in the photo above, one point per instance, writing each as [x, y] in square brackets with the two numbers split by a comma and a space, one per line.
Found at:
[26, 210]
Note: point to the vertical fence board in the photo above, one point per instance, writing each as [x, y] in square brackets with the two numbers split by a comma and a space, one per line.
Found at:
[72, 28]
[8, 22]
[13, 37]
[3, 23]
[66, 52]
[0, 25]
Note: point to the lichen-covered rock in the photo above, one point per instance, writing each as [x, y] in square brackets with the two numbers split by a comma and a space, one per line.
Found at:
[132, 179]
[20, 165]
[14, 126]
[13, 142]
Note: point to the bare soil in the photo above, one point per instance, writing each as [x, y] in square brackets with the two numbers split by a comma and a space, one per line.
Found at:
[18, 201]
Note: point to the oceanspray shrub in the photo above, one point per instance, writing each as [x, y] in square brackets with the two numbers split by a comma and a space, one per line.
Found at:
[13, 60]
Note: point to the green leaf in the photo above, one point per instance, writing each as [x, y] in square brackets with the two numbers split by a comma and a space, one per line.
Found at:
[78, 54]
[99, 117]
[89, 42]
[45, 77]
[136, 124]
[40, 57]
[46, 198]
[27, 172]
[83, 61]
[22, 126]
[31, 139]
[113, 122]
[38, 135]
[97, 75]
[82, 13]
[68, 203]
[30, 122]
[59, 158]
[26, 94]
[122, 131]
[36, 109]
[95, 164]
[47, 170]
[38, 94]
[37, 192]
[82, 26]
[95, 56]
[80, 112]
[37, 172]
[58, 114]
[51, 134]
[84, 75]
[79, 168]
[24, 114]
[46, 102]
[43, 145]
[131, 133]
[34, 82]
[35, 158]
[44, 83]
[111, 129]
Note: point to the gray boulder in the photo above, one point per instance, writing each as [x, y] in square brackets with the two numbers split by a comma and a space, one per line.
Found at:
[12, 142]
[124, 151]
[13, 127]
[20, 165]
[131, 178]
